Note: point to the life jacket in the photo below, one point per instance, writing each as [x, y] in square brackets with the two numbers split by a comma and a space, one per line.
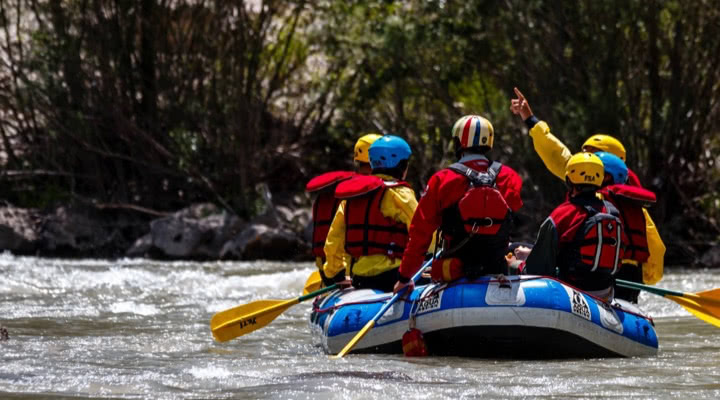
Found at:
[476, 229]
[598, 246]
[483, 209]
[367, 230]
[630, 201]
[324, 206]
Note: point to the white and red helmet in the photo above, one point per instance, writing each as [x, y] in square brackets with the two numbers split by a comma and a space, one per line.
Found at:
[473, 131]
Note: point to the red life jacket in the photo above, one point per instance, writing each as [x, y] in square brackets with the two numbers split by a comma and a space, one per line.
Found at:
[324, 206]
[630, 200]
[367, 230]
[599, 241]
[483, 208]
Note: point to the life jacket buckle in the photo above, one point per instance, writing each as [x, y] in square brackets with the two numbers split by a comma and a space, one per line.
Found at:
[477, 227]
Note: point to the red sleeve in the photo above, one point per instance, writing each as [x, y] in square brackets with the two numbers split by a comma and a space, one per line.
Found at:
[567, 218]
[443, 189]
[510, 184]
[633, 179]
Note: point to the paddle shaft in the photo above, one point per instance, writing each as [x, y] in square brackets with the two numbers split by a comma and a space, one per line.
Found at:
[703, 305]
[317, 293]
[651, 289]
[379, 314]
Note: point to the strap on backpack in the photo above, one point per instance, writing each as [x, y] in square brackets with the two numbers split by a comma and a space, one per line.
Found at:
[479, 178]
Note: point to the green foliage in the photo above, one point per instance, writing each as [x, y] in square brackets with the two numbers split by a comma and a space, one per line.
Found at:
[146, 100]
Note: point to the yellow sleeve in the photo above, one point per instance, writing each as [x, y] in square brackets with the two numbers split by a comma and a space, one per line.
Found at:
[551, 150]
[399, 204]
[653, 269]
[335, 255]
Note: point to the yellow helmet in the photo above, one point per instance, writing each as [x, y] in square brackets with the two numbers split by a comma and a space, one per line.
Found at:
[585, 169]
[606, 143]
[363, 145]
[472, 131]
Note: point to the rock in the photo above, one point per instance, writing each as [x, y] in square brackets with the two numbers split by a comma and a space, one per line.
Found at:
[285, 214]
[4, 335]
[711, 258]
[267, 219]
[80, 231]
[259, 241]
[19, 229]
[307, 232]
[301, 218]
[223, 227]
[141, 247]
[199, 231]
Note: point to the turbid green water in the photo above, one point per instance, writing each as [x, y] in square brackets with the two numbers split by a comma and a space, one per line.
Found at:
[139, 329]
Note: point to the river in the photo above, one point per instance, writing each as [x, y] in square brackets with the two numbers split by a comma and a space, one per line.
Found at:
[139, 329]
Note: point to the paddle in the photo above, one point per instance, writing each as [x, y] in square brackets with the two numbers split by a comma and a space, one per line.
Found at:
[704, 305]
[377, 316]
[238, 321]
[313, 283]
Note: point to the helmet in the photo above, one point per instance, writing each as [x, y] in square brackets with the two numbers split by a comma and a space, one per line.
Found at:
[362, 146]
[473, 130]
[585, 169]
[606, 143]
[614, 166]
[388, 151]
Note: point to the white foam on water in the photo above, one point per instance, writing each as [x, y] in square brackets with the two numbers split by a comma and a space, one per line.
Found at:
[279, 285]
[209, 372]
[130, 307]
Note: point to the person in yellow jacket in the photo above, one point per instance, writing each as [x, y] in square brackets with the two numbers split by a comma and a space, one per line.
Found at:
[555, 156]
[323, 187]
[370, 229]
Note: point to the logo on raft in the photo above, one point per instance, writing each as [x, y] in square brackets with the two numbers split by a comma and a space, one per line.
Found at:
[579, 305]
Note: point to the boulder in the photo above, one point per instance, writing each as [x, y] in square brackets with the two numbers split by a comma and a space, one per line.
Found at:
[19, 229]
[258, 241]
[199, 231]
[80, 231]
[711, 258]
[142, 247]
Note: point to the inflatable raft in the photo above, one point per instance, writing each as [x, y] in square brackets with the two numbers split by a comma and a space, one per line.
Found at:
[527, 317]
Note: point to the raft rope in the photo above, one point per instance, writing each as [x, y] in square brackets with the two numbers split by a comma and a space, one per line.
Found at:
[434, 291]
[440, 288]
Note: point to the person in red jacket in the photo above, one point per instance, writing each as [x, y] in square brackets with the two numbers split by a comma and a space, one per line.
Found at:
[325, 204]
[555, 154]
[582, 241]
[471, 202]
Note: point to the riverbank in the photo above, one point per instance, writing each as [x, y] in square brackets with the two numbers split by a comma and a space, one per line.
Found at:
[205, 231]
[199, 232]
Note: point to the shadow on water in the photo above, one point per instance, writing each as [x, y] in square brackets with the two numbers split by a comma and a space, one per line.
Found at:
[385, 375]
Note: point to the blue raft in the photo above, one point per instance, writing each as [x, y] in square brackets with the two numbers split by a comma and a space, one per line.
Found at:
[529, 317]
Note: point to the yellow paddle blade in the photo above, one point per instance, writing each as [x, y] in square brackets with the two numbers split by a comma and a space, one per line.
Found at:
[355, 340]
[699, 307]
[238, 321]
[710, 299]
[313, 283]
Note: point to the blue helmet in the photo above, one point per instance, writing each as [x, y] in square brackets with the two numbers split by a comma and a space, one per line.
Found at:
[388, 151]
[614, 166]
